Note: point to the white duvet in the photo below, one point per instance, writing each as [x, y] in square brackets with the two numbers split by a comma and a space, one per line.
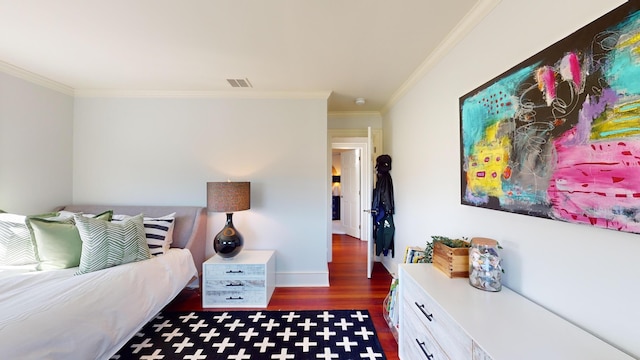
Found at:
[56, 315]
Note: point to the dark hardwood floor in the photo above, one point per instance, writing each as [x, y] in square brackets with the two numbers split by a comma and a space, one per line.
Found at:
[349, 289]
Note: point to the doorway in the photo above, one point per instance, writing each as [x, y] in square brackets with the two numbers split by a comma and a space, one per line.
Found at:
[369, 142]
[346, 192]
[357, 189]
[353, 188]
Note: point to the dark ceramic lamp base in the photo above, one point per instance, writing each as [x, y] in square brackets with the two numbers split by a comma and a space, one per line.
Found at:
[228, 243]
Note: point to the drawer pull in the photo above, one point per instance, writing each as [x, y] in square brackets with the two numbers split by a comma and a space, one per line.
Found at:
[235, 298]
[423, 347]
[235, 284]
[235, 271]
[421, 307]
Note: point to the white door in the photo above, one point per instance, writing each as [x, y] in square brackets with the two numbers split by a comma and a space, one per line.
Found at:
[367, 220]
[350, 183]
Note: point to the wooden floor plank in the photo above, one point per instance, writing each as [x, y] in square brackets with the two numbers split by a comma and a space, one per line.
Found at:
[349, 289]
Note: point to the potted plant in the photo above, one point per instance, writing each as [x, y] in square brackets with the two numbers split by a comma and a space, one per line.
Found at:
[450, 256]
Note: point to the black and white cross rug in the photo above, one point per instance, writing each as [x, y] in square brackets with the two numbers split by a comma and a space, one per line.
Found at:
[246, 335]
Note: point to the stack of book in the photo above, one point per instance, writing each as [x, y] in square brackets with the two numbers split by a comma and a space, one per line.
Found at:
[414, 254]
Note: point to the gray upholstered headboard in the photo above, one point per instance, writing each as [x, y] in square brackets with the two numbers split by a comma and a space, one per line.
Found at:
[189, 231]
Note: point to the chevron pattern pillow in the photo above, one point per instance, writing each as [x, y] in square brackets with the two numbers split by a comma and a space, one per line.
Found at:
[106, 244]
[16, 244]
[58, 243]
[16, 247]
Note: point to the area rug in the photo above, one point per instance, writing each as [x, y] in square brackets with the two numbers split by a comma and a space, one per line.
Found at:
[246, 335]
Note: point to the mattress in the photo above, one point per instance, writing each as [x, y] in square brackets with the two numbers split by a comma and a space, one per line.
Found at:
[58, 315]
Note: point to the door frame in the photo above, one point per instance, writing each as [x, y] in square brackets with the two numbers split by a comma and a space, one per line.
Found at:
[332, 134]
[341, 135]
[365, 202]
[345, 184]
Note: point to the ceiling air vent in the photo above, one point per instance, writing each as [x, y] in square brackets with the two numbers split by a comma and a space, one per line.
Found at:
[242, 83]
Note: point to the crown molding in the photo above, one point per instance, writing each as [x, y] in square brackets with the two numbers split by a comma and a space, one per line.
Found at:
[238, 94]
[35, 78]
[479, 11]
[353, 114]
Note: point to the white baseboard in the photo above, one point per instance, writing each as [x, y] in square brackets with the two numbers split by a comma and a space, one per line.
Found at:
[336, 227]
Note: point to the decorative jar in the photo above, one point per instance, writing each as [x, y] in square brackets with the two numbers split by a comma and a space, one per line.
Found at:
[485, 268]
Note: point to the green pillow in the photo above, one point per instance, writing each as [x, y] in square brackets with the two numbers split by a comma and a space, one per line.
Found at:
[16, 243]
[58, 242]
[106, 244]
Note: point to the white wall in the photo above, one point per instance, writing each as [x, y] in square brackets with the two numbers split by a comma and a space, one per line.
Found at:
[36, 129]
[163, 151]
[586, 275]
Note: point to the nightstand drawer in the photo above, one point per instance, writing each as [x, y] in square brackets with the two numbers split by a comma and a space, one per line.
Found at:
[235, 285]
[452, 338]
[235, 271]
[233, 298]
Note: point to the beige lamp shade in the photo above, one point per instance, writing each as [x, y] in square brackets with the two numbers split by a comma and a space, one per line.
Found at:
[228, 196]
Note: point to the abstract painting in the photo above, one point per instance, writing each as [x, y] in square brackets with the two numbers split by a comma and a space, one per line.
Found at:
[558, 135]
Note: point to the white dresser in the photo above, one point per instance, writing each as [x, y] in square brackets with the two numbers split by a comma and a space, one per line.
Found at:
[443, 318]
[246, 280]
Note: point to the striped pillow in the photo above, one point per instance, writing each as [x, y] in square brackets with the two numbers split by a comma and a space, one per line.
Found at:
[158, 231]
[106, 244]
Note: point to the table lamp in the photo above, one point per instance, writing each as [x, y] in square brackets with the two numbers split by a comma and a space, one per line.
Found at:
[228, 197]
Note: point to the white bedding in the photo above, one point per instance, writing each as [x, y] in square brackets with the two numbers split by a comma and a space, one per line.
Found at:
[56, 315]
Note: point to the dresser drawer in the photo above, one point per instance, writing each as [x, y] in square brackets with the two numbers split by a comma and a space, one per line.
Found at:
[479, 354]
[453, 340]
[418, 342]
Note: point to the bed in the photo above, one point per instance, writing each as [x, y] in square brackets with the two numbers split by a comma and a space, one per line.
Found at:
[57, 314]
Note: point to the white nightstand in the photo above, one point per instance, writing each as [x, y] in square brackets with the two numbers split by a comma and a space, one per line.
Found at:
[246, 280]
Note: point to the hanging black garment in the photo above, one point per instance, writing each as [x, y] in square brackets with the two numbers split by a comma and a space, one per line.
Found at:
[383, 194]
[383, 208]
[384, 234]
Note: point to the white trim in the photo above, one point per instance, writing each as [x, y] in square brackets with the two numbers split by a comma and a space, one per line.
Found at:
[347, 133]
[353, 114]
[35, 78]
[350, 133]
[300, 279]
[362, 144]
[238, 93]
[464, 27]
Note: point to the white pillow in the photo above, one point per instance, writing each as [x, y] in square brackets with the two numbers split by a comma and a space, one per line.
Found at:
[158, 231]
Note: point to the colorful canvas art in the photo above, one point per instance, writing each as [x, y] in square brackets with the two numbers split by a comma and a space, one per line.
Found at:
[558, 136]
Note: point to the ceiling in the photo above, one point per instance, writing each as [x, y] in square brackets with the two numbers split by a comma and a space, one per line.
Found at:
[348, 48]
